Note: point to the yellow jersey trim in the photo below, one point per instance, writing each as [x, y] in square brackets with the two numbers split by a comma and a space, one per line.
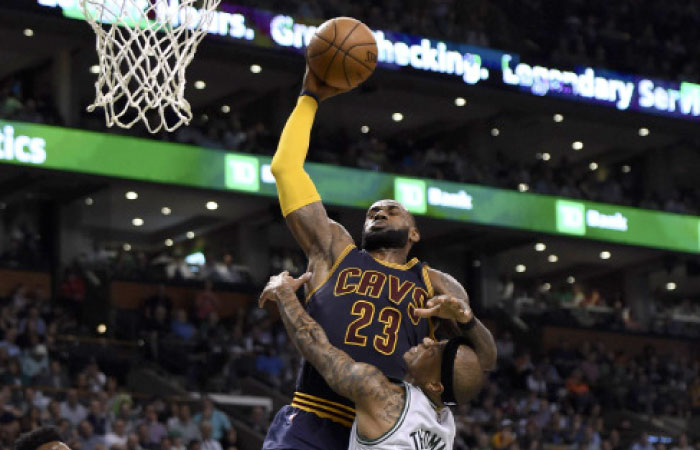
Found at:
[426, 280]
[323, 415]
[406, 266]
[323, 400]
[332, 270]
[328, 409]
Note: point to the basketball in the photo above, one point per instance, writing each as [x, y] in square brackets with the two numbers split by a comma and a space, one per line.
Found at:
[342, 52]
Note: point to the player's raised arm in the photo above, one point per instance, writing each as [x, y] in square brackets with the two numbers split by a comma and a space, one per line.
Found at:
[301, 204]
[452, 303]
[378, 402]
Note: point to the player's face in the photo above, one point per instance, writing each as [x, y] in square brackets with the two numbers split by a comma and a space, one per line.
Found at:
[423, 360]
[388, 225]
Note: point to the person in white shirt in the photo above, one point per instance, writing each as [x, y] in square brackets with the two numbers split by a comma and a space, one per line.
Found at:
[408, 415]
[208, 443]
[118, 435]
[72, 410]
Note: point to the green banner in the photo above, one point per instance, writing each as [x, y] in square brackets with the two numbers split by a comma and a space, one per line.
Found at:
[141, 159]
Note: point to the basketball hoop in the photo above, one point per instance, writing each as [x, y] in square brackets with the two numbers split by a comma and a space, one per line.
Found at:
[144, 48]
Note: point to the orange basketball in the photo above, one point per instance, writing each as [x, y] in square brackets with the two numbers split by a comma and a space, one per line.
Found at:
[342, 53]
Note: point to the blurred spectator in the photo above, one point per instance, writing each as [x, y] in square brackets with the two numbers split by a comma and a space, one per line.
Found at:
[181, 327]
[216, 418]
[206, 301]
[72, 410]
[117, 436]
[184, 426]
[208, 442]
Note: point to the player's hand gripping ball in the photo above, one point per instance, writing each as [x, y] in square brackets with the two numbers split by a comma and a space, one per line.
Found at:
[342, 53]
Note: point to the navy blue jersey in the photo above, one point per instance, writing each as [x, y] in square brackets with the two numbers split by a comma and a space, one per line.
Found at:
[366, 307]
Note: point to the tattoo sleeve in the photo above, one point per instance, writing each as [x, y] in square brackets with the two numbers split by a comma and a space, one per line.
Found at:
[357, 381]
[480, 336]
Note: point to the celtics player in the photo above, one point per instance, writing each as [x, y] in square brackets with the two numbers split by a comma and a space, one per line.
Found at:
[367, 300]
[408, 415]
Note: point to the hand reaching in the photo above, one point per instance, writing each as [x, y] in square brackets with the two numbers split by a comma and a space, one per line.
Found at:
[446, 307]
[280, 286]
[316, 86]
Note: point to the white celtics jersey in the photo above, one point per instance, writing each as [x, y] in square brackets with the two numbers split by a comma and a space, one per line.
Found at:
[420, 427]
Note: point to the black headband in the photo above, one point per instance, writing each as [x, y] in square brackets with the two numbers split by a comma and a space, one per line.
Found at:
[447, 368]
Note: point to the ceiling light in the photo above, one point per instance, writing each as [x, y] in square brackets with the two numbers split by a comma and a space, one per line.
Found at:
[101, 328]
[460, 101]
[540, 247]
[168, 242]
[558, 118]
[165, 211]
[552, 258]
[577, 145]
[89, 201]
[255, 68]
[605, 255]
[199, 85]
[644, 131]
[127, 247]
[570, 279]
[137, 221]
[546, 156]
[94, 69]
[546, 286]
[671, 286]
[190, 235]
[131, 195]
[28, 32]
[212, 206]
[495, 132]
[523, 187]
[364, 129]
[593, 166]
[397, 117]
[520, 268]
[626, 168]
[225, 109]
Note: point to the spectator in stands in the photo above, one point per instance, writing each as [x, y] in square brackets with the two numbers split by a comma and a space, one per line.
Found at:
[642, 443]
[230, 441]
[217, 418]
[504, 437]
[258, 419]
[96, 379]
[159, 299]
[35, 362]
[56, 377]
[181, 327]
[118, 435]
[88, 440]
[9, 343]
[178, 270]
[184, 426]
[72, 410]
[206, 301]
[208, 442]
[97, 417]
[156, 430]
[13, 376]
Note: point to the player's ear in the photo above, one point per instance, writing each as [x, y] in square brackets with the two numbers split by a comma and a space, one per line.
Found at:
[434, 387]
[414, 235]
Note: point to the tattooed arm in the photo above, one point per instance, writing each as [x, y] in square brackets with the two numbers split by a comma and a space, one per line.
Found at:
[378, 402]
[452, 303]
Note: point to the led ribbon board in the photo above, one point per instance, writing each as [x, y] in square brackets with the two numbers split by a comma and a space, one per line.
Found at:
[108, 155]
[472, 65]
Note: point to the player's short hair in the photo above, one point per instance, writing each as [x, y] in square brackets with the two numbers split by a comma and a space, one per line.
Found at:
[468, 378]
[36, 438]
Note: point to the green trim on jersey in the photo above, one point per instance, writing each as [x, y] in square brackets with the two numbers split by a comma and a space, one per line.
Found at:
[397, 425]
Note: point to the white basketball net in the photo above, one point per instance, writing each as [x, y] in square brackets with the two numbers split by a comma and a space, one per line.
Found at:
[144, 48]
